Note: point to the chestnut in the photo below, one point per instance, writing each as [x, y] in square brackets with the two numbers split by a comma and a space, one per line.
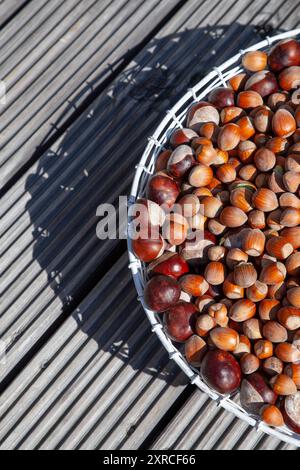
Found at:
[189, 205]
[293, 264]
[204, 324]
[206, 154]
[148, 249]
[293, 371]
[284, 54]
[179, 321]
[200, 175]
[195, 349]
[244, 346]
[265, 200]
[264, 83]
[264, 159]
[233, 217]
[255, 393]
[249, 363]
[163, 190]
[287, 352]
[268, 309]
[211, 206]
[257, 219]
[272, 366]
[272, 416]
[181, 161]
[283, 123]
[289, 317]
[215, 273]
[257, 292]
[202, 112]
[235, 256]
[194, 284]
[229, 136]
[232, 290]
[255, 61]
[161, 292]
[283, 385]
[182, 137]
[162, 160]
[289, 78]
[245, 275]
[263, 120]
[231, 114]
[291, 412]
[221, 97]
[249, 99]
[252, 328]
[293, 296]
[225, 338]
[275, 332]
[237, 83]
[169, 264]
[263, 349]
[242, 310]
[253, 242]
[221, 371]
[279, 248]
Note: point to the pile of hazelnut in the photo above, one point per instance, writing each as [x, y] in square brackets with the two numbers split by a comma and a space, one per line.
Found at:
[223, 258]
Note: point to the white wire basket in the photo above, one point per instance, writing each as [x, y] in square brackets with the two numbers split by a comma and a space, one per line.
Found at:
[174, 118]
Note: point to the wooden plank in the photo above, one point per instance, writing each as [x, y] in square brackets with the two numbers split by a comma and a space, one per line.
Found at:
[101, 360]
[38, 239]
[8, 8]
[41, 84]
[201, 425]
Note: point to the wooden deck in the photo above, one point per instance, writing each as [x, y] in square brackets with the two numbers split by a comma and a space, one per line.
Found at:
[87, 82]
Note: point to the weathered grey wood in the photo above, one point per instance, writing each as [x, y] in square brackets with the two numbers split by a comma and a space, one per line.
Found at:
[202, 425]
[65, 68]
[8, 8]
[40, 239]
[102, 357]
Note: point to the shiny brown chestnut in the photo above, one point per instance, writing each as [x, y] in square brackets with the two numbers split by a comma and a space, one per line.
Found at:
[194, 284]
[289, 78]
[221, 97]
[255, 393]
[255, 61]
[284, 54]
[161, 292]
[163, 190]
[264, 83]
[291, 412]
[200, 113]
[221, 371]
[179, 321]
[181, 161]
[195, 349]
[272, 416]
[147, 249]
[182, 137]
[169, 264]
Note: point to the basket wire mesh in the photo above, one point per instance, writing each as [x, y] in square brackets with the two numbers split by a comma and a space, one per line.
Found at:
[174, 118]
